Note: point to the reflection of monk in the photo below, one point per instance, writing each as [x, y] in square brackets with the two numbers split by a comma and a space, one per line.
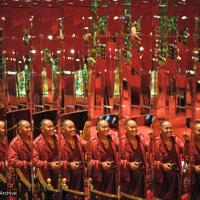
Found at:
[134, 33]
[103, 158]
[195, 171]
[45, 152]
[19, 157]
[168, 169]
[134, 163]
[3, 143]
[46, 156]
[73, 158]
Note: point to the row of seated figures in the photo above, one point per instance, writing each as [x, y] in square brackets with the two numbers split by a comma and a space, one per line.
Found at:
[146, 158]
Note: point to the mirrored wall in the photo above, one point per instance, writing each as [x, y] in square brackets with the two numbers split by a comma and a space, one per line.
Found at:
[100, 99]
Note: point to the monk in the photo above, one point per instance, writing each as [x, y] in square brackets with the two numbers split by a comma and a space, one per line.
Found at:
[3, 153]
[46, 154]
[195, 170]
[19, 158]
[167, 161]
[103, 160]
[73, 159]
[134, 163]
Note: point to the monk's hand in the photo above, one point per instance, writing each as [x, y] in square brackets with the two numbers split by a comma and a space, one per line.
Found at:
[55, 165]
[167, 167]
[90, 164]
[106, 165]
[197, 169]
[134, 165]
[74, 165]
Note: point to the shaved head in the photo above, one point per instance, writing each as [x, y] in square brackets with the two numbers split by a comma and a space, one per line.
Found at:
[99, 122]
[21, 123]
[128, 121]
[67, 121]
[44, 122]
[24, 128]
[47, 127]
[68, 127]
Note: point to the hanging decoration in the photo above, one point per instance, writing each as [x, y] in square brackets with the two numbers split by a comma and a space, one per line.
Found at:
[55, 77]
[168, 25]
[23, 80]
[127, 46]
[27, 76]
[183, 37]
[85, 75]
[101, 31]
[46, 56]
[45, 87]
[196, 51]
[61, 28]
[154, 83]
[135, 34]
[20, 86]
[116, 84]
[26, 37]
[53, 61]
[102, 23]
[79, 84]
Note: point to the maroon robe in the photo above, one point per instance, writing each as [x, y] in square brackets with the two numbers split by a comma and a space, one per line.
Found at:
[19, 156]
[134, 182]
[43, 155]
[75, 178]
[195, 178]
[104, 180]
[3, 160]
[167, 185]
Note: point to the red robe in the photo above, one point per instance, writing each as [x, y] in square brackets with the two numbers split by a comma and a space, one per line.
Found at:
[167, 185]
[104, 180]
[134, 182]
[3, 160]
[19, 156]
[75, 178]
[43, 154]
[195, 178]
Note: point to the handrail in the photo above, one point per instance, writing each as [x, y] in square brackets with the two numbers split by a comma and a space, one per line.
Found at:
[3, 178]
[43, 181]
[66, 189]
[105, 194]
[23, 178]
[129, 196]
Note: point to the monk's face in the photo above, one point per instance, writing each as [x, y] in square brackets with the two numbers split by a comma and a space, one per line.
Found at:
[197, 130]
[131, 128]
[2, 128]
[103, 128]
[69, 128]
[48, 128]
[25, 129]
[167, 129]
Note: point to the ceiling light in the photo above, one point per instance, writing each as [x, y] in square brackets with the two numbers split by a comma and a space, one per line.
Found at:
[33, 51]
[72, 51]
[184, 17]
[50, 37]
